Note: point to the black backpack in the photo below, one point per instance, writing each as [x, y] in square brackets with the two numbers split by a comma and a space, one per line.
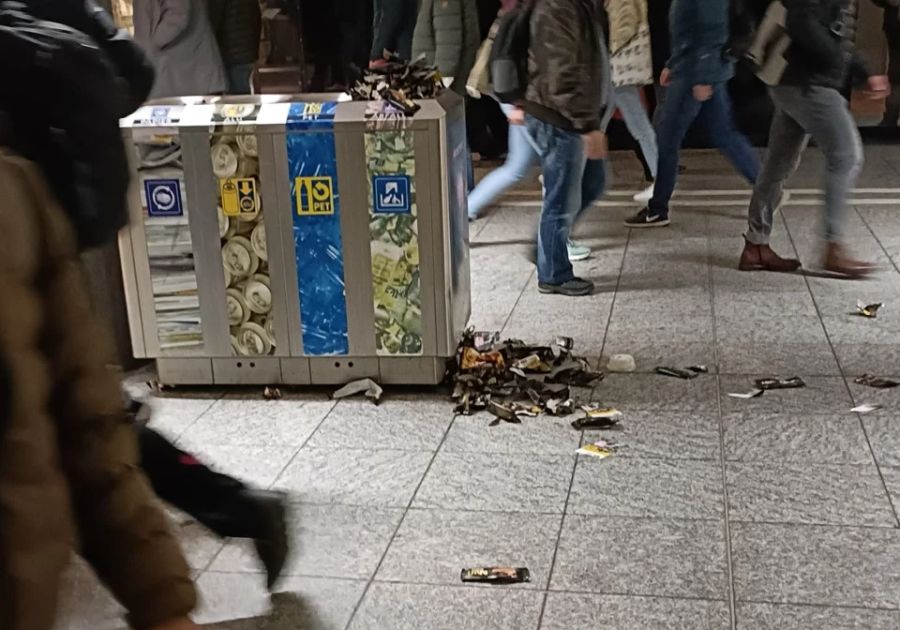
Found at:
[509, 55]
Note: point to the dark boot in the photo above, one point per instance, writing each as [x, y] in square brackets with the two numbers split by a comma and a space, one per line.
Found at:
[837, 261]
[763, 258]
[271, 540]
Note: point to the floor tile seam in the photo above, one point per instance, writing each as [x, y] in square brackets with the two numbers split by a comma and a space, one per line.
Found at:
[559, 531]
[611, 593]
[812, 526]
[293, 457]
[770, 463]
[875, 236]
[726, 527]
[769, 602]
[612, 304]
[402, 519]
[414, 508]
[175, 437]
[287, 575]
[846, 381]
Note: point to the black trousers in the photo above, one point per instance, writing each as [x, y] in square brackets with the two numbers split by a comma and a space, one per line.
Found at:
[178, 478]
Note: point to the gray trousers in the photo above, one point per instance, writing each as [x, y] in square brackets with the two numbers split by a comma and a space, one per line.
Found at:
[801, 113]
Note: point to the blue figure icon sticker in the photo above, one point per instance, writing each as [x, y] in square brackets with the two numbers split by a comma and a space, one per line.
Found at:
[163, 197]
[391, 194]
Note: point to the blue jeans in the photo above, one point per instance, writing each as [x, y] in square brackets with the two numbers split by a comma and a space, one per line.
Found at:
[239, 78]
[393, 24]
[522, 158]
[679, 111]
[571, 184]
[628, 102]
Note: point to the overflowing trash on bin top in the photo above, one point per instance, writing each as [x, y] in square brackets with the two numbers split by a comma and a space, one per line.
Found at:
[399, 83]
[513, 380]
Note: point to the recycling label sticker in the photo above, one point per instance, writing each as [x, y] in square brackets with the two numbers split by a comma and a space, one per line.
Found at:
[239, 196]
[163, 197]
[315, 195]
[391, 194]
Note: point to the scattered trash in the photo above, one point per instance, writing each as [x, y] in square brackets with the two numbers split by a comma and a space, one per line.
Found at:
[699, 369]
[399, 83]
[496, 575]
[596, 417]
[753, 393]
[366, 386]
[863, 409]
[876, 382]
[513, 380]
[768, 384]
[622, 363]
[272, 393]
[600, 448]
[686, 374]
[869, 311]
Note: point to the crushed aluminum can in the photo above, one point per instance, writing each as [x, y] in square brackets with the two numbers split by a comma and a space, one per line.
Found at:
[496, 575]
[769, 384]
[677, 373]
[876, 382]
[869, 311]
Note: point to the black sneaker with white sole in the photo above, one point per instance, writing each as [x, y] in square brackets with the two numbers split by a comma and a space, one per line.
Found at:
[644, 219]
[574, 287]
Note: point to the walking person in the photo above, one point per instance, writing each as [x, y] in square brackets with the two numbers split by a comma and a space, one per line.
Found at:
[891, 29]
[237, 25]
[68, 476]
[178, 38]
[393, 26]
[809, 103]
[696, 77]
[567, 108]
[632, 68]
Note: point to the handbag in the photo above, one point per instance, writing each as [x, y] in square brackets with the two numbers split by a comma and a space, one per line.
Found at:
[479, 81]
[63, 97]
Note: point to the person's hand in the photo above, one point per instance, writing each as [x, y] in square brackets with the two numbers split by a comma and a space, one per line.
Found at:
[665, 78]
[703, 93]
[878, 86]
[595, 145]
[516, 116]
[182, 623]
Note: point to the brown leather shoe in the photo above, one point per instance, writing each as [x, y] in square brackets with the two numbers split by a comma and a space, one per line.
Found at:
[763, 258]
[837, 261]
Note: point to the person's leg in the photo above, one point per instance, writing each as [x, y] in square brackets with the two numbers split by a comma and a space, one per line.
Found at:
[628, 100]
[593, 185]
[678, 113]
[562, 159]
[787, 140]
[219, 502]
[716, 114]
[823, 112]
[521, 160]
[406, 29]
[239, 78]
[892, 103]
[387, 23]
[659, 93]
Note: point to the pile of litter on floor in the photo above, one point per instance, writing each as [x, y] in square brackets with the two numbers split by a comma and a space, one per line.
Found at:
[514, 380]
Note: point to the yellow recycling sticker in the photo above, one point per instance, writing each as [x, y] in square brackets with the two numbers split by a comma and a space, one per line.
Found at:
[315, 196]
[239, 196]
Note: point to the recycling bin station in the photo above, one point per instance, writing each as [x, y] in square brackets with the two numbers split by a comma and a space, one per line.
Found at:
[296, 240]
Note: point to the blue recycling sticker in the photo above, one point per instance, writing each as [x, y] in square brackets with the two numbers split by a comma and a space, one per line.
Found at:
[391, 194]
[163, 197]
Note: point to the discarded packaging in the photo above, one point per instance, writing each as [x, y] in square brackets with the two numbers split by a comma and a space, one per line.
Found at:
[483, 341]
[559, 407]
[621, 363]
[753, 393]
[399, 83]
[768, 384]
[366, 386]
[676, 372]
[532, 363]
[595, 450]
[496, 575]
[272, 393]
[863, 409]
[597, 417]
[869, 311]
[512, 412]
[876, 382]
[699, 369]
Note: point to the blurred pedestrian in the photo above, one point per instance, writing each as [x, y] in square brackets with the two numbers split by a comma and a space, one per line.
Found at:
[891, 29]
[392, 29]
[237, 25]
[179, 39]
[696, 78]
[68, 472]
[809, 103]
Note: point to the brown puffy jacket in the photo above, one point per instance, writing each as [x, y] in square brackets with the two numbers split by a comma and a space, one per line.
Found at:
[68, 473]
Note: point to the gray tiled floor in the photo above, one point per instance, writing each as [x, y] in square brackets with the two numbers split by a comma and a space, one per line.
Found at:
[772, 513]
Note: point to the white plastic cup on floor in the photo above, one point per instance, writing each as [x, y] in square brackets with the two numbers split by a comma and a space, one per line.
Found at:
[621, 363]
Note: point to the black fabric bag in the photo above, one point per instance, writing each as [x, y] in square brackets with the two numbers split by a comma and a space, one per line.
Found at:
[64, 98]
[744, 19]
[509, 55]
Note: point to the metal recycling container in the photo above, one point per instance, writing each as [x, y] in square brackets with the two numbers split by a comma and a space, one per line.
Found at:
[296, 240]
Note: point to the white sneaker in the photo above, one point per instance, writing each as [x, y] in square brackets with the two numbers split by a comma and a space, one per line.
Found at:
[577, 252]
[645, 195]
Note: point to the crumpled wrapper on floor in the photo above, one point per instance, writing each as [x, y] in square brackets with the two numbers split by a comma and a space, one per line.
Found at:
[366, 386]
